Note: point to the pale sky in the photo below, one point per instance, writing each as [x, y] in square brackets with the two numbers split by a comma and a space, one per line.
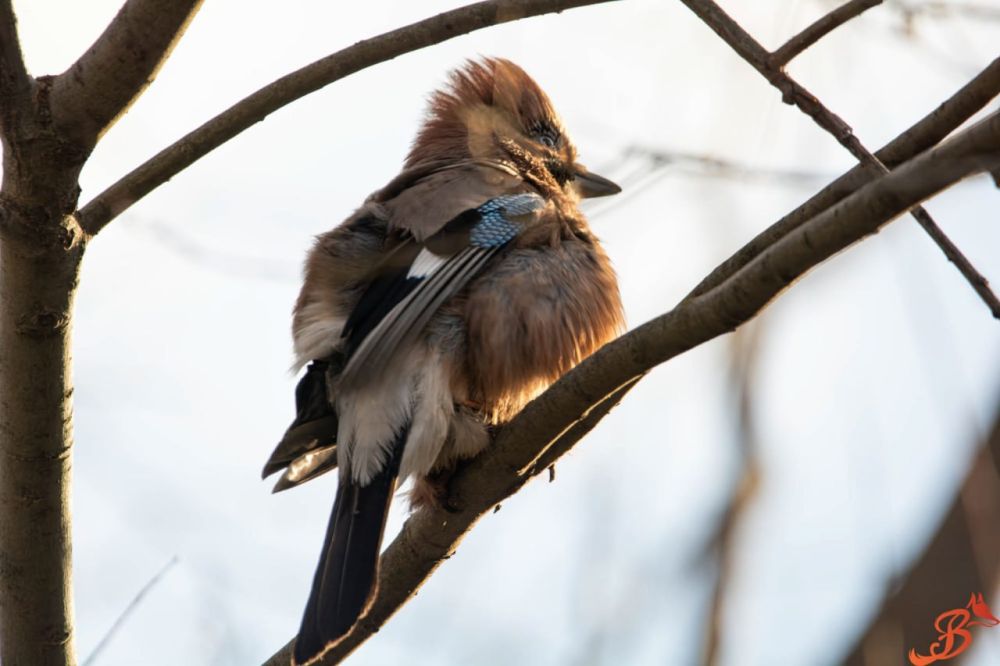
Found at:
[877, 372]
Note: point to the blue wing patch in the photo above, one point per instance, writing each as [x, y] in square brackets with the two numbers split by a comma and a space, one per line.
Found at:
[490, 226]
[495, 226]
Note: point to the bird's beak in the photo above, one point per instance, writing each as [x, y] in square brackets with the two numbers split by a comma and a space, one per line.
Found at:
[591, 185]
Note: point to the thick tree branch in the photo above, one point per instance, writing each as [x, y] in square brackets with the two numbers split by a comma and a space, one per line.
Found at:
[820, 29]
[49, 127]
[102, 84]
[793, 93]
[927, 132]
[14, 79]
[36, 435]
[430, 536]
[253, 109]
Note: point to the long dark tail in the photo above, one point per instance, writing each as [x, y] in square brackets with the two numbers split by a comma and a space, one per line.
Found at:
[347, 575]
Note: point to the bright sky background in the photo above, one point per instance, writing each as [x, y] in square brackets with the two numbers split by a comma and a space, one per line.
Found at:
[877, 373]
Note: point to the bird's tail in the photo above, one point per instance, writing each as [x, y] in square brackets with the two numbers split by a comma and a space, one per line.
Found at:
[347, 575]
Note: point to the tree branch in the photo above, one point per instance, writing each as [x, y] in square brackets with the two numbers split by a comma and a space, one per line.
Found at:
[431, 535]
[927, 132]
[102, 84]
[793, 93]
[14, 80]
[820, 29]
[253, 109]
[36, 438]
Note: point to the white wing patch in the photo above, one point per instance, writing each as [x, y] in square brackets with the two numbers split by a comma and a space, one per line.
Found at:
[425, 263]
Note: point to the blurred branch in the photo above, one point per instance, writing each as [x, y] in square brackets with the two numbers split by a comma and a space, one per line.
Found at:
[938, 9]
[252, 109]
[102, 84]
[793, 93]
[743, 356]
[820, 29]
[174, 238]
[704, 165]
[962, 557]
[132, 605]
[525, 446]
[663, 162]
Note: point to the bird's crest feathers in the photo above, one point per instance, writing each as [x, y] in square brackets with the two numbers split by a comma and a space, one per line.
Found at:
[485, 97]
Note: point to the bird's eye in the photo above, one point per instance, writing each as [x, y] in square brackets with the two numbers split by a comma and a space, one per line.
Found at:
[547, 140]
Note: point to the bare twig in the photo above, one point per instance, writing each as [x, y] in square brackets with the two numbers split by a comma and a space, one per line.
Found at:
[101, 85]
[820, 29]
[431, 535]
[927, 132]
[793, 93]
[132, 605]
[196, 144]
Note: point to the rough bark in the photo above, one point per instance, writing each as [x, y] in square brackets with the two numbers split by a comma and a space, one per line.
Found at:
[40, 251]
[48, 127]
[103, 83]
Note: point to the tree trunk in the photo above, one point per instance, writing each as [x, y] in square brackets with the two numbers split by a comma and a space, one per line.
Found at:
[41, 246]
[36, 435]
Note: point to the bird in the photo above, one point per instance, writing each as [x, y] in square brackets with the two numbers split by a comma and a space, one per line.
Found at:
[453, 296]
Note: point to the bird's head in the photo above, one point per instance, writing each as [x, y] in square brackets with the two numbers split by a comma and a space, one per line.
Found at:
[492, 110]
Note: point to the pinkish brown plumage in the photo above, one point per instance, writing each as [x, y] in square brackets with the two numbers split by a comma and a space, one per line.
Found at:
[452, 297]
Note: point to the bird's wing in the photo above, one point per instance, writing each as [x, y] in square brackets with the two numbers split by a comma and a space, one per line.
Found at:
[396, 307]
[421, 202]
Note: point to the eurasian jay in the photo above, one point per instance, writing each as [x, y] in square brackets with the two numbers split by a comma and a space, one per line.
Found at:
[452, 297]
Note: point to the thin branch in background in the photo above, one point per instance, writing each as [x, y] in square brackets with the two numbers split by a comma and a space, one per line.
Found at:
[743, 356]
[944, 10]
[714, 167]
[431, 535]
[173, 238]
[129, 609]
[819, 29]
[657, 163]
[196, 144]
[793, 93]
